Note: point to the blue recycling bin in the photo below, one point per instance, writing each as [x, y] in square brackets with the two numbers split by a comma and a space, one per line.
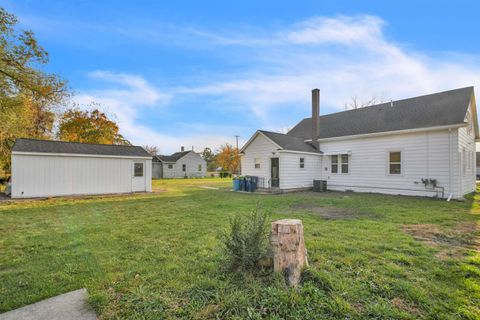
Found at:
[242, 184]
[236, 184]
[253, 183]
[248, 184]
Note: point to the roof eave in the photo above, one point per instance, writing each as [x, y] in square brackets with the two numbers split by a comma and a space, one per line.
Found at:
[78, 155]
[253, 138]
[386, 133]
[319, 153]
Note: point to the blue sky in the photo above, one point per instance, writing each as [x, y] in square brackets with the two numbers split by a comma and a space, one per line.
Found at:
[200, 72]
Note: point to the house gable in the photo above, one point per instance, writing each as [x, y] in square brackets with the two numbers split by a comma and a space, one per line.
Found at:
[254, 136]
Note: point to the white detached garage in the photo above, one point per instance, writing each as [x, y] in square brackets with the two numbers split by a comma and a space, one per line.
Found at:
[43, 168]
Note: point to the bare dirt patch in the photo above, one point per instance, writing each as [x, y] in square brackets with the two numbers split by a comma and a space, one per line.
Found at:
[329, 213]
[453, 242]
[402, 305]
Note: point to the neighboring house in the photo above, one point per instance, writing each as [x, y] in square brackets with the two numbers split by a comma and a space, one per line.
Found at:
[179, 165]
[422, 146]
[42, 168]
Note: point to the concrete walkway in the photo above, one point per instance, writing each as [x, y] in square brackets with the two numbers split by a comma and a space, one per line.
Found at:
[71, 305]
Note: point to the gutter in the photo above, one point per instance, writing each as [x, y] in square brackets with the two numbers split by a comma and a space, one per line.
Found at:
[301, 152]
[77, 155]
[387, 133]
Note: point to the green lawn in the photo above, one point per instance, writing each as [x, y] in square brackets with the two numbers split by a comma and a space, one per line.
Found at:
[154, 256]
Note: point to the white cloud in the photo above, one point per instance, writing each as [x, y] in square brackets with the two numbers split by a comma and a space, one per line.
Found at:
[125, 102]
[344, 56]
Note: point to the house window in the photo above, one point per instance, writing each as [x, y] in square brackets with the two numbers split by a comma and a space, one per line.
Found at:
[257, 163]
[469, 163]
[138, 169]
[469, 122]
[199, 167]
[334, 161]
[302, 163]
[344, 163]
[339, 161]
[395, 162]
[472, 161]
[184, 167]
[170, 166]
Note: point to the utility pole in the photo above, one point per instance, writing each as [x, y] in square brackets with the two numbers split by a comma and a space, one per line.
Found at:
[238, 156]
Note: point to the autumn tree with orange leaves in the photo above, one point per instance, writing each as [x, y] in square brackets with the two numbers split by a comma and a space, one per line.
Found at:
[89, 127]
[228, 158]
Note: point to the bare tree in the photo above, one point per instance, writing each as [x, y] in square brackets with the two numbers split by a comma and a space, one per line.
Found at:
[153, 150]
[356, 103]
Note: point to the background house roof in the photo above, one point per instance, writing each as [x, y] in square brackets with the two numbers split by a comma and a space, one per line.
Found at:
[438, 109]
[174, 157]
[288, 142]
[50, 146]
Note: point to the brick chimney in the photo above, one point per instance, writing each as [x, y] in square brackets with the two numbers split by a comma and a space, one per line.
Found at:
[316, 117]
[182, 148]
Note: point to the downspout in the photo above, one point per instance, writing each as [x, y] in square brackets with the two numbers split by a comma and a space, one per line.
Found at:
[450, 164]
[428, 155]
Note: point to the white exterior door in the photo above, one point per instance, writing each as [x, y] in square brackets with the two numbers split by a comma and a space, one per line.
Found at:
[138, 175]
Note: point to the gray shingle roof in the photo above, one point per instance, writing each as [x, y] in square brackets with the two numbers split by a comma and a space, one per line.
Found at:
[174, 157]
[438, 109]
[289, 142]
[50, 146]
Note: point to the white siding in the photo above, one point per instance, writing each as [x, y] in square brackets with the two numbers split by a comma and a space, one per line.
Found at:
[436, 154]
[466, 158]
[292, 176]
[191, 160]
[41, 176]
[424, 155]
[263, 149]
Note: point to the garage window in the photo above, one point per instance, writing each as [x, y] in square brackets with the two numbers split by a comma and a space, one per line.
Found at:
[138, 172]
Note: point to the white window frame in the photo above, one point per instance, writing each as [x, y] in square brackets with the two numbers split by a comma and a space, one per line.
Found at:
[301, 163]
[256, 163]
[340, 163]
[332, 163]
[135, 171]
[200, 167]
[170, 166]
[468, 119]
[184, 168]
[402, 163]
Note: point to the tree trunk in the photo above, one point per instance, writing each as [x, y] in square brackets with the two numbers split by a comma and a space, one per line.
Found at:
[288, 247]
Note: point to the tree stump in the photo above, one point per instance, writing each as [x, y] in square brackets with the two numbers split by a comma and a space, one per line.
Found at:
[288, 248]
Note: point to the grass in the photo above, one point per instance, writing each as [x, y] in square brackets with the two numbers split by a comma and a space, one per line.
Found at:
[154, 256]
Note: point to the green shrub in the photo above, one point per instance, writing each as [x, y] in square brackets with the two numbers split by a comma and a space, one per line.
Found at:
[245, 242]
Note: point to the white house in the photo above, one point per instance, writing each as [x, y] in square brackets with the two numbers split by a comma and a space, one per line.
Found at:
[42, 168]
[422, 146]
[179, 165]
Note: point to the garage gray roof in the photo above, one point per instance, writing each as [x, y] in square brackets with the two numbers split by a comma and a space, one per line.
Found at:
[51, 146]
[438, 109]
[288, 142]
